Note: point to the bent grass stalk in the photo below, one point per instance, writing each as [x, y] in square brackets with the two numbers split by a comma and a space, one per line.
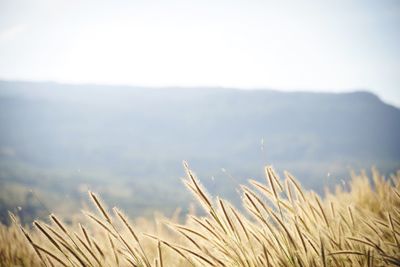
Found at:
[283, 226]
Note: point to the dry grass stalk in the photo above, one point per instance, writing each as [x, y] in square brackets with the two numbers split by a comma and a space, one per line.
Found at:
[291, 227]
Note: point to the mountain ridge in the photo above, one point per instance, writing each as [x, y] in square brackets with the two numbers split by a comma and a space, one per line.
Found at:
[135, 138]
[365, 92]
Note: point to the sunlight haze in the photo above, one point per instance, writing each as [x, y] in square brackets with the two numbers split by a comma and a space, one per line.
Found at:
[285, 45]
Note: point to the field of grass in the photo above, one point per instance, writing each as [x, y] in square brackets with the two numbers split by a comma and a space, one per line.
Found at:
[280, 224]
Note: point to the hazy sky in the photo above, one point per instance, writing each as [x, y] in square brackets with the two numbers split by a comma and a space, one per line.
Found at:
[290, 45]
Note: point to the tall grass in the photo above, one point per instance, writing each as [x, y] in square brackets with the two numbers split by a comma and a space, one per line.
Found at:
[282, 225]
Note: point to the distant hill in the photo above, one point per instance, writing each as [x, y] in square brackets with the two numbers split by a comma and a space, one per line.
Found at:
[128, 142]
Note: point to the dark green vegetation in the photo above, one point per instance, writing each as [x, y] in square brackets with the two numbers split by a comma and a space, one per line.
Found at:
[128, 143]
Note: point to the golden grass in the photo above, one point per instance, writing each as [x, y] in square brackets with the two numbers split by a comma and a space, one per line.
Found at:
[282, 225]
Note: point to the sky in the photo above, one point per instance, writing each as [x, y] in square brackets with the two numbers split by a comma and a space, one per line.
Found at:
[340, 45]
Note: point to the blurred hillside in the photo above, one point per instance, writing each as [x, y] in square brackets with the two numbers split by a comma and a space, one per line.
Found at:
[127, 143]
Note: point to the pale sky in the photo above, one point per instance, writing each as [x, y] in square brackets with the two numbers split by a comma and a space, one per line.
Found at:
[338, 45]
